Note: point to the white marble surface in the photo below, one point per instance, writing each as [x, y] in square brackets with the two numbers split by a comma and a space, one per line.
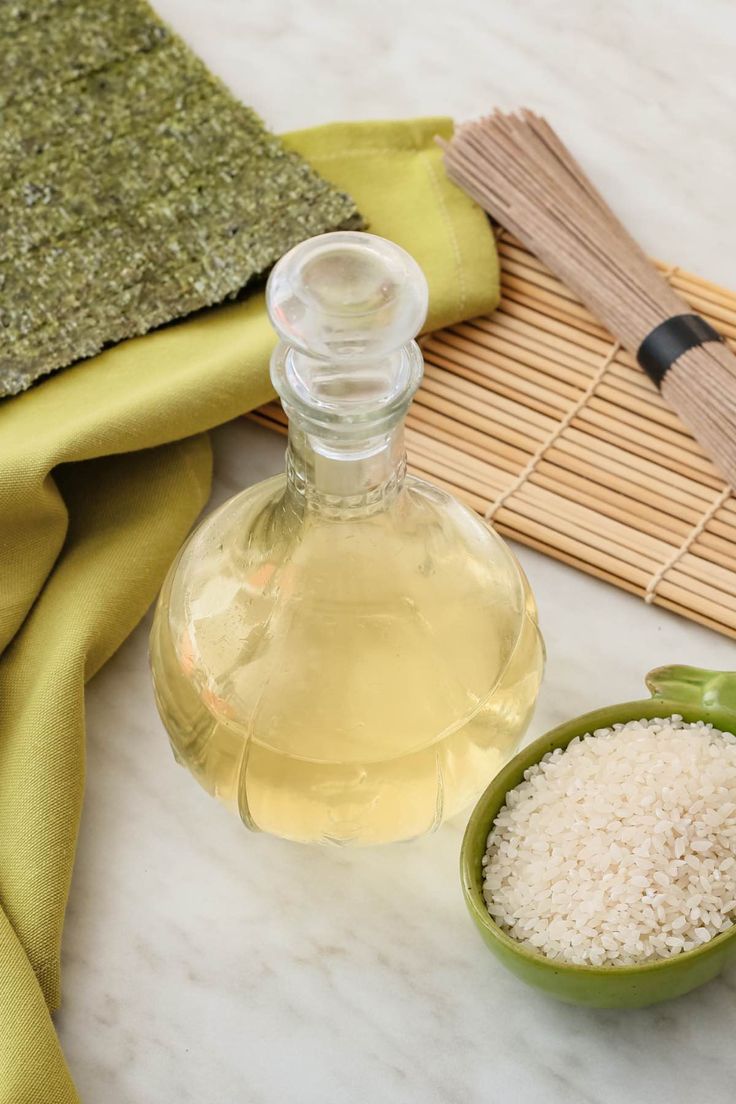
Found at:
[202, 964]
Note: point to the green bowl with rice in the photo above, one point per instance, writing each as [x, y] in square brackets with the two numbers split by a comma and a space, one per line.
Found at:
[691, 693]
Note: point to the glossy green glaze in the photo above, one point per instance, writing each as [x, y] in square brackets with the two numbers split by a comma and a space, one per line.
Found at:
[694, 693]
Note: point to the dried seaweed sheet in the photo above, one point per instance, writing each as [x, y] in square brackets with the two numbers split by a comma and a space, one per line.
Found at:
[134, 188]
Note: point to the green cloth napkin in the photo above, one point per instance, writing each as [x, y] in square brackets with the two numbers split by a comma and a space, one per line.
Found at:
[104, 467]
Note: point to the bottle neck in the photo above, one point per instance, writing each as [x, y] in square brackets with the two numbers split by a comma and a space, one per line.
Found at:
[340, 478]
[346, 427]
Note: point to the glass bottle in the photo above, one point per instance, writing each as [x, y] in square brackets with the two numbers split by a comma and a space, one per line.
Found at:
[345, 653]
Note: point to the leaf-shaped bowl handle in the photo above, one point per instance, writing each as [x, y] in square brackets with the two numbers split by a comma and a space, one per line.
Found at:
[695, 686]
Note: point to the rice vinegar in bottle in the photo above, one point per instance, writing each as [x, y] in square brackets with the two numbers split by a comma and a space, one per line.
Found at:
[345, 653]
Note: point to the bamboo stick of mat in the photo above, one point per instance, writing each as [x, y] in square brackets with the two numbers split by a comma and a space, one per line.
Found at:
[539, 421]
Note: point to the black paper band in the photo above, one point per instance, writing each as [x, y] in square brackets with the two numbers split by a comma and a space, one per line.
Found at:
[668, 341]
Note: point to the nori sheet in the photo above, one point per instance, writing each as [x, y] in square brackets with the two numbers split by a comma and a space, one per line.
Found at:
[134, 188]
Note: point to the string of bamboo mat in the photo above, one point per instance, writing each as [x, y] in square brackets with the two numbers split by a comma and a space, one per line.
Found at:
[536, 418]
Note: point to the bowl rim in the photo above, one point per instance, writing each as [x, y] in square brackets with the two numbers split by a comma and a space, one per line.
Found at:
[493, 799]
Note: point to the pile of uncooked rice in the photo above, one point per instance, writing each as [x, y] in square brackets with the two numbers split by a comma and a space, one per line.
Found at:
[621, 848]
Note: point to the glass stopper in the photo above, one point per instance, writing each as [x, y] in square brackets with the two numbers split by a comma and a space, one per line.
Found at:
[349, 296]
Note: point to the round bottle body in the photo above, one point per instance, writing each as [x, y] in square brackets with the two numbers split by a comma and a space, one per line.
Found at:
[351, 679]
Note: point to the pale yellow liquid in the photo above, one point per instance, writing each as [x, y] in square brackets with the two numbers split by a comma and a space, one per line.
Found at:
[351, 681]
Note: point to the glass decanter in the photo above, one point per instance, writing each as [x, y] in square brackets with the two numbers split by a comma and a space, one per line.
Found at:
[345, 653]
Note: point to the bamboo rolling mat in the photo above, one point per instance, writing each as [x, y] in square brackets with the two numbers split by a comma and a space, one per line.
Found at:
[536, 417]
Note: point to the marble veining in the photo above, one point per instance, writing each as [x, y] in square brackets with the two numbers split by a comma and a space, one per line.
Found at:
[205, 965]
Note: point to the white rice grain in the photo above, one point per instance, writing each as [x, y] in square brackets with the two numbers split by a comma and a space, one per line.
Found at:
[621, 848]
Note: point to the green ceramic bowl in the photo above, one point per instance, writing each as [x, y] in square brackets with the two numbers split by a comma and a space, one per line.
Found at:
[695, 694]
